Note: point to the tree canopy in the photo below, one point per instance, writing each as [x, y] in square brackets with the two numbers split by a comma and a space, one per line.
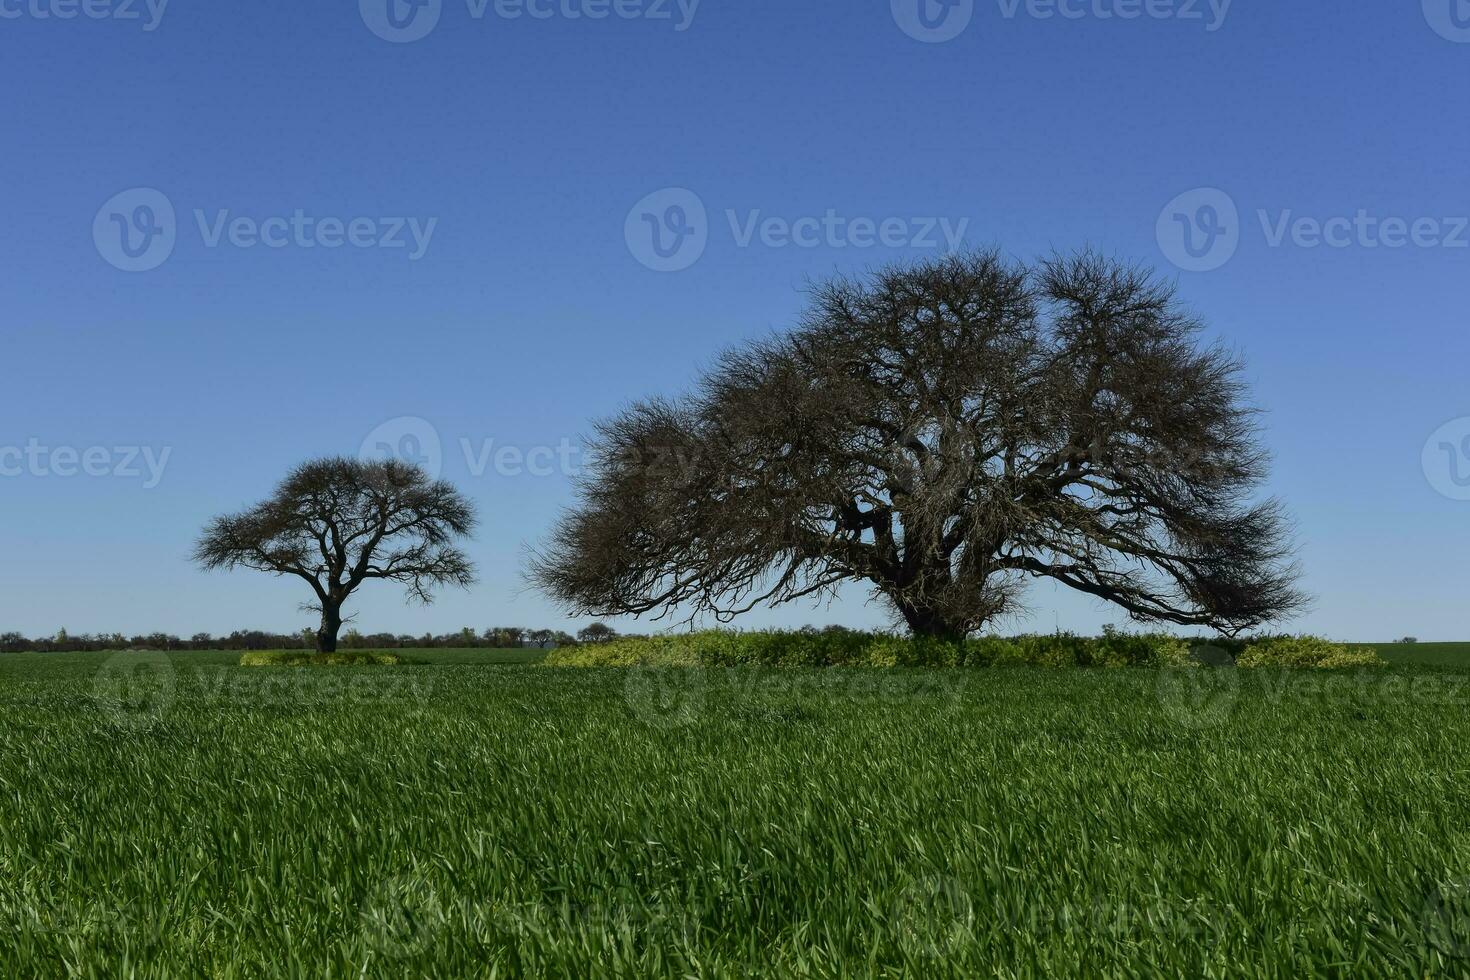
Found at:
[337, 523]
[943, 431]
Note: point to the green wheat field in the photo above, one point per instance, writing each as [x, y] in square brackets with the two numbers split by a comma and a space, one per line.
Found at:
[478, 814]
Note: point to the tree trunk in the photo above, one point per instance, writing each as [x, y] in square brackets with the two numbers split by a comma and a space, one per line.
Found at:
[927, 624]
[326, 636]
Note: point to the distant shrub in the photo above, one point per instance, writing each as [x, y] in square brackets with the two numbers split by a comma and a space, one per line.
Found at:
[847, 648]
[1352, 657]
[306, 658]
[1055, 650]
[1306, 653]
[1120, 649]
[720, 648]
[653, 651]
[990, 651]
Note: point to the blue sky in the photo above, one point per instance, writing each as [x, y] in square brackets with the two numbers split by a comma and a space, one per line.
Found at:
[815, 137]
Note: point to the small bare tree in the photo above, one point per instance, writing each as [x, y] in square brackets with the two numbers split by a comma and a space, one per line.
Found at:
[944, 432]
[338, 523]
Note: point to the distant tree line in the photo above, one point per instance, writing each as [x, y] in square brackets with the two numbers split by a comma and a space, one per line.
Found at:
[494, 638]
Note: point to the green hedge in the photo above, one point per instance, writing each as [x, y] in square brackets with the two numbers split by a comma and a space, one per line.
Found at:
[1307, 652]
[847, 648]
[307, 658]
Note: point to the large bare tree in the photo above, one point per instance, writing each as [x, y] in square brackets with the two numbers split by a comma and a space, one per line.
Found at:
[943, 431]
[337, 523]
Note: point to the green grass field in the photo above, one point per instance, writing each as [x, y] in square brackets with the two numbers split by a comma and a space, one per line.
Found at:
[183, 816]
[1430, 654]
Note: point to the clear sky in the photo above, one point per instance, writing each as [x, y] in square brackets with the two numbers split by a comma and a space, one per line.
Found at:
[436, 212]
